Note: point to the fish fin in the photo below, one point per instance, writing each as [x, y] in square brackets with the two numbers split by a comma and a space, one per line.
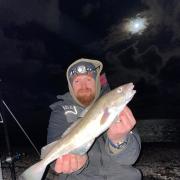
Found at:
[84, 148]
[104, 116]
[34, 172]
[70, 127]
[46, 149]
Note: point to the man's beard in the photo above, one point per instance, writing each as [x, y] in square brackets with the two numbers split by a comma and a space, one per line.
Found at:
[85, 97]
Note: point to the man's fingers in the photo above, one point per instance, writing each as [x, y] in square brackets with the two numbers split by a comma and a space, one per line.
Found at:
[74, 163]
[81, 161]
[69, 163]
[58, 165]
[66, 168]
[127, 118]
[129, 114]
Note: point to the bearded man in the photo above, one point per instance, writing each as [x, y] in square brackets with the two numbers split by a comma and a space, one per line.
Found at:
[113, 154]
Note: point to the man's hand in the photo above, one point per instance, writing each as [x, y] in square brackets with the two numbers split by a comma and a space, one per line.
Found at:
[118, 130]
[70, 163]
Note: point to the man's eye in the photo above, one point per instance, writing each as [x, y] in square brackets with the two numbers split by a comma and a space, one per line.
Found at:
[89, 79]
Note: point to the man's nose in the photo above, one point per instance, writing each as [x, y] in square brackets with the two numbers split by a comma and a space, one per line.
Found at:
[83, 85]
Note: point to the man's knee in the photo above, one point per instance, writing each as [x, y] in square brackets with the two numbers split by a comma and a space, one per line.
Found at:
[136, 174]
[126, 173]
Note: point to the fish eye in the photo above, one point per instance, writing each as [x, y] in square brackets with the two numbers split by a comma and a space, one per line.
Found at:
[119, 90]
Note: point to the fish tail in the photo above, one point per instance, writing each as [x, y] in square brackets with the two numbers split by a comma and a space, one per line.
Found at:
[35, 172]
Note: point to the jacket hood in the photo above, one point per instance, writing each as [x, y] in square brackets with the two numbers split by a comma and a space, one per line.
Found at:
[98, 67]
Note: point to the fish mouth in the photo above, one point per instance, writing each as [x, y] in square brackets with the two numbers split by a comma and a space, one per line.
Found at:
[130, 91]
[127, 91]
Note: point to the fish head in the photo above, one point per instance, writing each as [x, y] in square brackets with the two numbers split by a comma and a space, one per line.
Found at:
[120, 96]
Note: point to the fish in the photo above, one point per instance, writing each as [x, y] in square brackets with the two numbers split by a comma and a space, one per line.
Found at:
[79, 137]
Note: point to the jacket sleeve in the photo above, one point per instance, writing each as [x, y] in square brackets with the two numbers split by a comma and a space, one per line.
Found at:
[128, 152]
[57, 123]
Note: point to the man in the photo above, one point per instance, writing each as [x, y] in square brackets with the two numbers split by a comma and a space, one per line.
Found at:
[112, 155]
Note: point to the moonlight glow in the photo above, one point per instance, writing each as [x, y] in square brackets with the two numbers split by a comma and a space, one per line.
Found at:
[136, 25]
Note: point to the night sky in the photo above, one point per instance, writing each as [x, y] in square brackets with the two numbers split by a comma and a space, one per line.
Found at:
[39, 39]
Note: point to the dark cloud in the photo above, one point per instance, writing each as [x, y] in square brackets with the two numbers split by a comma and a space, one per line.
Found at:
[17, 19]
[171, 71]
[163, 14]
[129, 67]
[89, 8]
[22, 11]
[9, 53]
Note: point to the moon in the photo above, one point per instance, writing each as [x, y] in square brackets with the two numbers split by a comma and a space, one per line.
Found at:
[136, 25]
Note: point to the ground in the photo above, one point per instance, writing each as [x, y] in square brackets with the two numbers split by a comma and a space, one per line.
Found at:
[158, 161]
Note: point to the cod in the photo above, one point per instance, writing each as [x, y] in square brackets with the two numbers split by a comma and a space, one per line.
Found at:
[79, 137]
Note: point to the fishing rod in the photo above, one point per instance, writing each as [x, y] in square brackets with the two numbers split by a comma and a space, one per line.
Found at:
[10, 158]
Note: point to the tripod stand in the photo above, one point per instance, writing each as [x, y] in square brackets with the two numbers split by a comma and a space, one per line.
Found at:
[0, 172]
[10, 158]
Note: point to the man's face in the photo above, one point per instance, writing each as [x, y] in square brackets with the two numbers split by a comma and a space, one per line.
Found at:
[84, 87]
